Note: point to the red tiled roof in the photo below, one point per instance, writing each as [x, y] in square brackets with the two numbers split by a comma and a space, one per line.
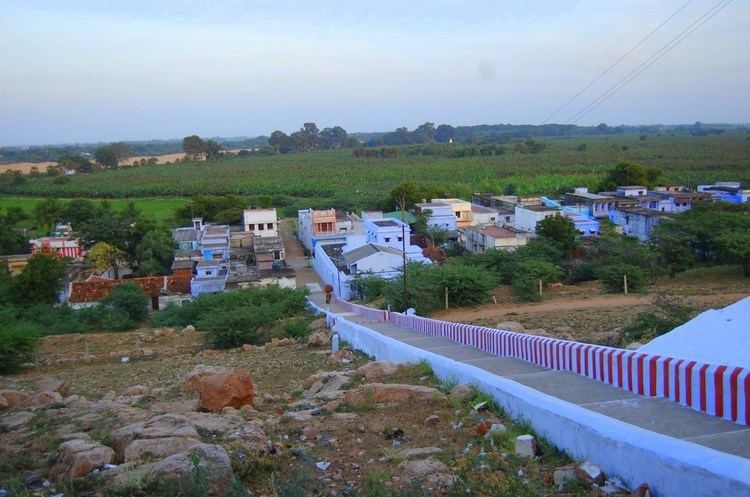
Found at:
[96, 289]
[498, 232]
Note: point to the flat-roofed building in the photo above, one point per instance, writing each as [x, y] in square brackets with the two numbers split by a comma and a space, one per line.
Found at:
[261, 222]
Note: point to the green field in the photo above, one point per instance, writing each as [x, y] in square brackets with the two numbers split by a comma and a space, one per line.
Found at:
[337, 178]
[157, 209]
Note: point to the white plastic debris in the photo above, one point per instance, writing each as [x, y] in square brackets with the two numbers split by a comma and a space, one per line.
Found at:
[335, 342]
[322, 465]
[480, 406]
[124, 359]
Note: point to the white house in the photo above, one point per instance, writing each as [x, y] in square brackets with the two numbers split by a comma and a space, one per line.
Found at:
[482, 216]
[389, 232]
[441, 215]
[527, 216]
[384, 262]
[261, 222]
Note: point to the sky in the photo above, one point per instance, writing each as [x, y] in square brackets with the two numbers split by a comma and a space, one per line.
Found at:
[89, 71]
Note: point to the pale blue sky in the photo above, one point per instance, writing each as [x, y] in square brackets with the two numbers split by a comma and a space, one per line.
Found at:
[81, 71]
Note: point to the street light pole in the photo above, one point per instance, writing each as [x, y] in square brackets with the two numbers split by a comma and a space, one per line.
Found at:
[403, 252]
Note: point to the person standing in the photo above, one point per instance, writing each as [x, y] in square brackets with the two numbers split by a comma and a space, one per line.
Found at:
[329, 293]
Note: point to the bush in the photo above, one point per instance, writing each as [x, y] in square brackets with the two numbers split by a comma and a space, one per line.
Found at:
[579, 271]
[367, 287]
[130, 299]
[611, 277]
[17, 344]
[667, 313]
[296, 327]
[235, 318]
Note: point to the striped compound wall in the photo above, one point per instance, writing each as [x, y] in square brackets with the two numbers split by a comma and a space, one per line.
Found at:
[719, 390]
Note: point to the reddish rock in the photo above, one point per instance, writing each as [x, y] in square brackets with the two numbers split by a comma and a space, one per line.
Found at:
[642, 491]
[210, 353]
[377, 369]
[318, 339]
[192, 381]
[136, 391]
[158, 448]
[55, 385]
[42, 399]
[344, 356]
[386, 392]
[248, 347]
[12, 398]
[432, 420]
[233, 388]
[284, 342]
[482, 428]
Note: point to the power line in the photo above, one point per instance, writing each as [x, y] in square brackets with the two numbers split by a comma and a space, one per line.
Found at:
[606, 71]
[649, 62]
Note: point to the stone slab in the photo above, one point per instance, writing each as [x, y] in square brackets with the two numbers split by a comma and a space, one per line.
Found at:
[731, 442]
[572, 387]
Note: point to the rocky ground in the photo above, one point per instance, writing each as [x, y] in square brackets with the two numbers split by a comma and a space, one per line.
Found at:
[151, 413]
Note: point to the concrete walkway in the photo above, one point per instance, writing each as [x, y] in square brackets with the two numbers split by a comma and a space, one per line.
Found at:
[653, 414]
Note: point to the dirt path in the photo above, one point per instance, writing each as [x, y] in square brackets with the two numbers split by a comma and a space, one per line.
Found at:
[490, 311]
[295, 254]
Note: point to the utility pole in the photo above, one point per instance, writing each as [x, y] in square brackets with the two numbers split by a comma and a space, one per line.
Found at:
[403, 252]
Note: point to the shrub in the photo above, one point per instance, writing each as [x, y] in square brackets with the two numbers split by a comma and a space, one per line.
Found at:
[296, 327]
[367, 287]
[17, 344]
[666, 314]
[130, 299]
[579, 271]
[611, 277]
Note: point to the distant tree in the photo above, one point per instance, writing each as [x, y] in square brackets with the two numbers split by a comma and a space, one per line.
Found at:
[155, 252]
[280, 141]
[602, 128]
[130, 214]
[405, 195]
[213, 149]
[104, 257]
[353, 142]
[335, 138]
[312, 132]
[425, 133]
[39, 282]
[402, 137]
[194, 147]
[130, 299]
[47, 212]
[75, 162]
[121, 150]
[79, 211]
[654, 176]
[558, 230]
[106, 156]
[444, 133]
[627, 173]
[735, 246]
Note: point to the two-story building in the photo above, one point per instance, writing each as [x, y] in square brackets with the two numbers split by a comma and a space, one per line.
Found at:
[461, 210]
[441, 215]
[319, 226]
[210, 276]
[261, 222]
[598, 206]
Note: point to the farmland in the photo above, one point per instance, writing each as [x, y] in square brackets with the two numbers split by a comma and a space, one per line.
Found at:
[156, 209]
[324, 178]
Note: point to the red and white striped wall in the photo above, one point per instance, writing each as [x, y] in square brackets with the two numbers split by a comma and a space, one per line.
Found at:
[719, 390]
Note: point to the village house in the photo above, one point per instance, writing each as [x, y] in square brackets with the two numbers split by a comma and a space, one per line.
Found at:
[481, 239]
[268, 251]
[637, 221]
[460, 208]
[598, 205]
[586, 226]
[326, 226]
[727, 191]
[64, 246]
[162, 290]
[508, 202]
[261, 222]
[482, 216]
[441, 215]
[680, 201]
[210, 276]
[527, 216]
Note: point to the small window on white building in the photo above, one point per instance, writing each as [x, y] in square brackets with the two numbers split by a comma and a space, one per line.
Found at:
[269, 226]
[400, 239]
[251, 227]
[260, 227]
[387, 239]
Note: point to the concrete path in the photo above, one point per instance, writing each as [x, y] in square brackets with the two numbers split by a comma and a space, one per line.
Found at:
[653, 414]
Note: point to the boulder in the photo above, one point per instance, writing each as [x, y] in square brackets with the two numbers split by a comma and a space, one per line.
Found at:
[42, 399]
[340, 357]
[525, 446]
[634, 346]
[12, 398]
[14, 421]
[496, 429]
[388, 392]
[213, 460]
[432, 420]
[608, 338]
[58, 385]
[422, 468]
[510, 326]
[137, 390]
[233, 388]
[188, 329]
[377, 370]
[247, 347]
[158, 448]
[192, 381]
[563, 475]
[318, 339]
[76, 458]
[284, 342]
[162, 426]
[462, 392]
[420, 452]
[590, 472]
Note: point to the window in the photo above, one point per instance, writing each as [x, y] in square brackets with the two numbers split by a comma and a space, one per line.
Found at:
[400, 239]
[276, 255]
[251, 227]
[260, 227]
[458, 214]
[209, 272]
[387, 239]
[270, 226]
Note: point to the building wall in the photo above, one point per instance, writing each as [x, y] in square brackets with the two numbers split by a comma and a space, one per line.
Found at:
[261, 222]
[381, 264]
[635, 225]
[330, 275]
[525, 219]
